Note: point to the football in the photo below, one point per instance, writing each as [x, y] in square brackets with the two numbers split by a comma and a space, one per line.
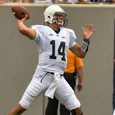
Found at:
[20, 12]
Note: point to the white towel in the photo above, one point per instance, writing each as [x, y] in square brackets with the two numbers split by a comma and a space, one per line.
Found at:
[51, 90]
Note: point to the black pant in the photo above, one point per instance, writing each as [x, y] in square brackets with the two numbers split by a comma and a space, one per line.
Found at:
[53, 103]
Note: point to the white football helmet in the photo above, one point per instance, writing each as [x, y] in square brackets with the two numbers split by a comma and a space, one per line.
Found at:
[51, 11]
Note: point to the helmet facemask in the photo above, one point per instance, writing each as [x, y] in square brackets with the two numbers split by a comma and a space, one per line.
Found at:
[62, 17]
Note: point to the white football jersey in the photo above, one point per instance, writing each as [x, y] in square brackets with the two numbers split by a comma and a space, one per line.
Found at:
[52, 47]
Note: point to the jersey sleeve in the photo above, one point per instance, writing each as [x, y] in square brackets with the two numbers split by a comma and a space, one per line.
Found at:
[37, 28]
[78, 62]
[72, 39]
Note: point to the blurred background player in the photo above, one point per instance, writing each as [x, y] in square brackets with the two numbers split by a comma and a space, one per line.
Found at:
[73, 70]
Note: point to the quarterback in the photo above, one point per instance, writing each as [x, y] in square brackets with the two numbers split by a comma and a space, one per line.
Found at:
[53, 41]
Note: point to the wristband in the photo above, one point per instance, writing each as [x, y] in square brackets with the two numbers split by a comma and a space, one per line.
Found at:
[86, 39]
[84, 46]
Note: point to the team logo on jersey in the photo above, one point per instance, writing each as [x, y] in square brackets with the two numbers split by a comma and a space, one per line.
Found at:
[57, 35]
[63, 37]
[51, 34]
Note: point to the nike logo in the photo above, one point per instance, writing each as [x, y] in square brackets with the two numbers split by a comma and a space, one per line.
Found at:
[51, 34]
[63, 37]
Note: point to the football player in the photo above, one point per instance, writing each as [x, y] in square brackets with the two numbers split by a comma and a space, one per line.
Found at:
[53, 42]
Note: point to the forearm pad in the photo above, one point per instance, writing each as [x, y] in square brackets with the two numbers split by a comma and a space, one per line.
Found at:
[85, 46]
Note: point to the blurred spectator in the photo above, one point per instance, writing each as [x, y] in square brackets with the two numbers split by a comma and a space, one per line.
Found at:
[14, 1]
[111, 1]
[103, 1]
[60, 1]
[83, 1]
[96, 1]
[42, 1]
[2, 1]
[19, 1]
[71, 1]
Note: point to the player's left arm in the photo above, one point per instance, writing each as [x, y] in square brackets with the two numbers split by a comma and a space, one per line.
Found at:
[82, 51]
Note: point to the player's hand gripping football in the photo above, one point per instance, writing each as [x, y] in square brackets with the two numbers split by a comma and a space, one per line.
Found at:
[22, 20]
[88, 31]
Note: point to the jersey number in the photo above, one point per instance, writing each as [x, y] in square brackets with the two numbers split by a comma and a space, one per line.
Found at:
[61, 50]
